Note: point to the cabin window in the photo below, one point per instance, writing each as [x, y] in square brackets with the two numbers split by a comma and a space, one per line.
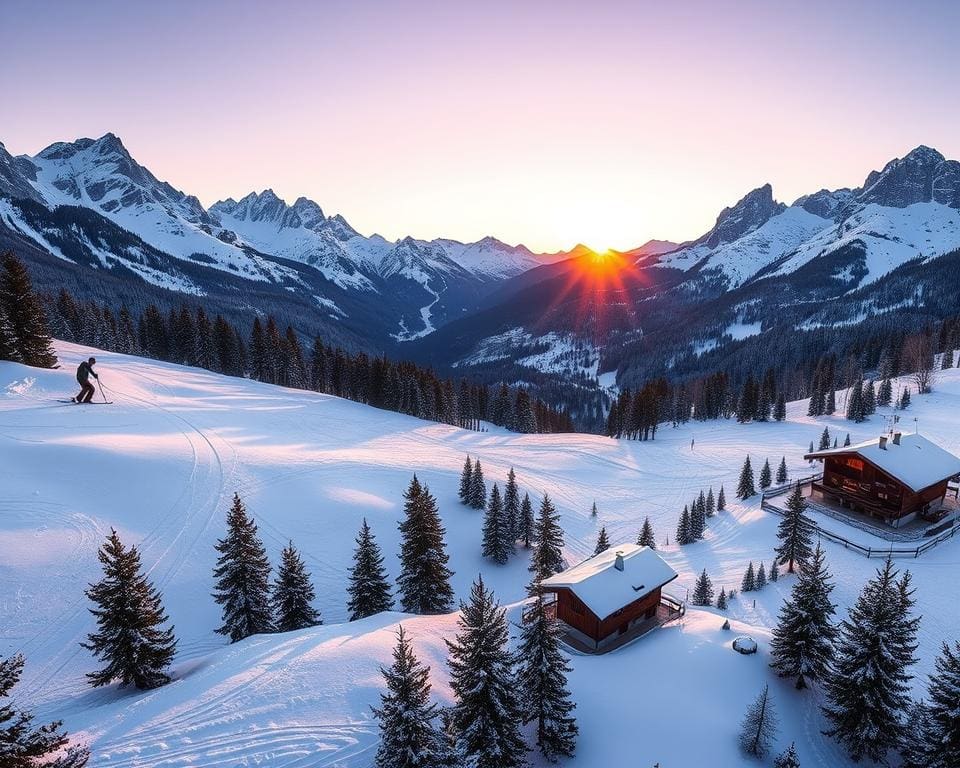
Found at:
[856, 464]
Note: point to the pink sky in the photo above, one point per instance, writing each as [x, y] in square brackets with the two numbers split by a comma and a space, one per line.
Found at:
[547, 123]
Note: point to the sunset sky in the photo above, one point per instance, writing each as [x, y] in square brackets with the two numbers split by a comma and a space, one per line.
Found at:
[547, 123]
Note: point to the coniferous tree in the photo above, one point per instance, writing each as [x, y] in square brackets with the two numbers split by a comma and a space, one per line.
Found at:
[409, 734]
[761, 579]
[466, 481]
[782, 471]
[683, 535]
[25, 745]
[511, 507]
[749, 582]
[917, 746]
[721, 501]
[780, 408]
[703, 590]
[697, 521]
[478, 488]
[129, 613]
[824, 439]
[766, 478]
[8, 344]
[424, 581]
[23, 316]
[774, 574]
[527, 523]
[885, 393]
[646, 537]
[794, 531]
[905, 399]
[869, 398]
[868, 689]
[293, 594]
[487, 714]
[243, 577]
[943, 689]
[788, 759]
[745, 487]
[496, 538]
[759, 725]
[542, 678]
[603, 543]
[593, 509]
[547, 558]
[846, 440]
[722, 599]
[369, 590]
[803, 640]
[710, 506]
[855, 402]
[811, 450]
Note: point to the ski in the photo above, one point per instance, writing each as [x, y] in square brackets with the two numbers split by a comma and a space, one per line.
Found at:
[92, 402]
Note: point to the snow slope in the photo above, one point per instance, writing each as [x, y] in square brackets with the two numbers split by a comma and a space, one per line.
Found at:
[162, 463]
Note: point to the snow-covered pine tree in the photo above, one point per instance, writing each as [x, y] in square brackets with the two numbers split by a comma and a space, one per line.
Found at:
[697, 521]
[846, 440]
[242, 577]
[804, 638]
[683, 535]
[542, 678]
[24, 313]
[774, 574]
[702, 506]
[759, 727]
[766, 476]
[25, 745]
[487, 714]
[293, 594]
[885, 393]
[478, 488]
[511, 508]
[905, 399]
[129, 637]
[8, 345]
[780, 408]
[782, 471]
[749, 582]
[710, 505]
[788, 759]
[547, 558]
[593, 509]
[869, 398]
[794, 531]
[603, 543]
[761, 579]
[722, 599]
[466, 481]
[855, 402]
[646, 537]
[496, 538]
[703, 590]
[526, 521]
[410, 737]
[721, 501]
[917, 747]
[745, 487]
[424, 581]
[369, 590]
[944, 706]
[824, 439]
[868, 688]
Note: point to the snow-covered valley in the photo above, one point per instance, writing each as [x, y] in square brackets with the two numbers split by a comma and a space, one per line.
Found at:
[163, 462]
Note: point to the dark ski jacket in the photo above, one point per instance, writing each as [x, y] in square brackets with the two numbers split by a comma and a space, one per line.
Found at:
[85, 371]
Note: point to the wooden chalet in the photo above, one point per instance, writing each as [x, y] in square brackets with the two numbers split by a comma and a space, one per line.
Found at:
[893, 478]
[612, 593]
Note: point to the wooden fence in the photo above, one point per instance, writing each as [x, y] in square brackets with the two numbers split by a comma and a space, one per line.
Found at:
[889, 551]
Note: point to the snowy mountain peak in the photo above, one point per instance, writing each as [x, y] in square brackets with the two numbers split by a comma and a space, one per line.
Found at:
[749, 213]
[921, 176]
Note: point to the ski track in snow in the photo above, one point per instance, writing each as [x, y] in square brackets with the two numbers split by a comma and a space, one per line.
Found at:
[162, 464]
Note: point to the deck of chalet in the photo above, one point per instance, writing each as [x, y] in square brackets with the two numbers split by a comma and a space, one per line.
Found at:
[612, 597]
[893, 479]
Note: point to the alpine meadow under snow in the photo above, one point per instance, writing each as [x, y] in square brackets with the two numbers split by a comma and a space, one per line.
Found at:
[161, 467]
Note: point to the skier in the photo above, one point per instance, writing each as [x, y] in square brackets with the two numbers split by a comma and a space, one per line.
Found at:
[84, 372]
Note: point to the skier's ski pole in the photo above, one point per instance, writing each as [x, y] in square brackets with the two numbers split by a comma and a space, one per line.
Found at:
[100, 387]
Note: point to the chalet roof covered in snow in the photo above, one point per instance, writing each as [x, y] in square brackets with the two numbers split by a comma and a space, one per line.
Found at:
[604, 588]
[916, 462]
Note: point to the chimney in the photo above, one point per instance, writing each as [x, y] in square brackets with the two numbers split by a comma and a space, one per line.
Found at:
[896, 438]
[883, 443]
[618, 563]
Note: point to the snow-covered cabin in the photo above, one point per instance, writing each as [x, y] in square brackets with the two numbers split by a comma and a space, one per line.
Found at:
[892, 478]
[610, 593]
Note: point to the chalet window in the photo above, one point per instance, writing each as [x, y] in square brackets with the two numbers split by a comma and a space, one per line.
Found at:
[856, 464]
